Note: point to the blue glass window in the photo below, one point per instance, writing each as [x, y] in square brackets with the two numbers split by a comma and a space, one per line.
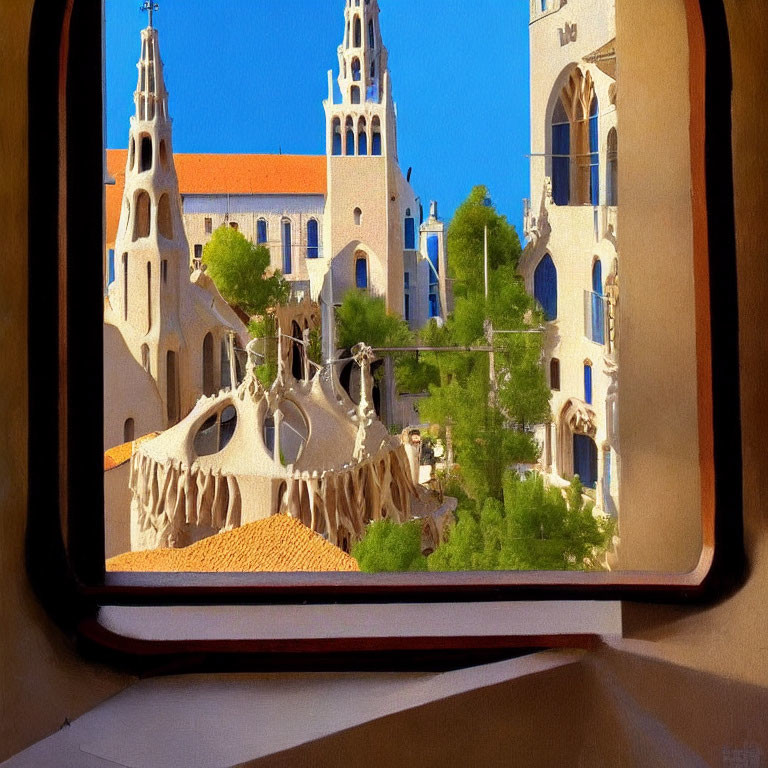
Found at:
[286, 247]
[362, 142]
[561, 156]
[356, 69]
[336, 150]
[410, 234]
[312, 243]
[545, 286]
[587, 383]
[350, 142]
[261, 231]
[361, 274]
[594, 157]
[111, 267]
[433, 252]
[376, 141]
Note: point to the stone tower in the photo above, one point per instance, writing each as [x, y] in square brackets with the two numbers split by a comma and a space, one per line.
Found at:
[175, 325]
[367, 194]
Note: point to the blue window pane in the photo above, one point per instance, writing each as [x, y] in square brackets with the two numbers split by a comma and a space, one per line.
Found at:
[376, 144]
[545, 286]
[585, 460]
[286, 248]
[561, 166]
[350, 142]
[361, 274]
[355, 69]
[410, 234]
[312, 243]
[336, 144]
[362, 143]
[594, 160]
[261, 231]
[598, 305]
[434, 305]
[588, 383]
[111, 267]
[433, 250]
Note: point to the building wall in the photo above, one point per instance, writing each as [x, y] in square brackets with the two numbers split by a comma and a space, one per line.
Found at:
[713, 650]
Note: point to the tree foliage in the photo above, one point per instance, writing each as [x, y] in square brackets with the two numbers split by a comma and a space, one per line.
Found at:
[388, 547]
[490, 431]
[534, 528]
[364, 318]
[238, 267]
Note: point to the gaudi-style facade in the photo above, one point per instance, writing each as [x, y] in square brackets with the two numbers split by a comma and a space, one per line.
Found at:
[166, 331]
[570, 263]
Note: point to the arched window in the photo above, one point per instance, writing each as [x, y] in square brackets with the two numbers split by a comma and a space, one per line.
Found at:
[594, 154]
[376, 141]
[433, 255]
[358, 32]
[361, 273]
[554, 374]
[410, 232]
[209, 387]
[598, 304]
[362, 138]
[145, 156]
[356, 69]
[164, 219]
[287, 253]
[129, 430]
[545, 286]
[612, 192]
[261, 231]
[588, 382]
[371, 36]
[355, 94]
[125, 286]
[149, 296]
[312, 239]
[171, 387]
[141, 221]
[336, 137]
[358, 215]
[561, 155]
[350, 137]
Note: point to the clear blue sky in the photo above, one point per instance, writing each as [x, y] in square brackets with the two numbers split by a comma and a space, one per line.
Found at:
[251, 75]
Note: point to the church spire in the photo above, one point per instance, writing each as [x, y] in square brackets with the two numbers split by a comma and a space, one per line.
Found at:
[362, 55]
[151, 98]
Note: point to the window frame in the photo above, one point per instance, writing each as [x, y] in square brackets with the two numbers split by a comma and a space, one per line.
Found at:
[65, 536]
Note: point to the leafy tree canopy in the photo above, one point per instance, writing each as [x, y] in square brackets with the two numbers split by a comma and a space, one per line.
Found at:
[364, 318]
[388, 547]
[238, 267]
[534, 528]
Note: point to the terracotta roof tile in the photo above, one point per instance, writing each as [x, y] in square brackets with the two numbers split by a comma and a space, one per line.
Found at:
[206, 174]
[278, 543]
[119, 454]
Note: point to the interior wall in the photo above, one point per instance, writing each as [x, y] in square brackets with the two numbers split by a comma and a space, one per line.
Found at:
[43, 681]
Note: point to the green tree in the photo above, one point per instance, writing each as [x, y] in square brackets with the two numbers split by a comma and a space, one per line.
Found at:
[389, 546]
[535, 528]
[238, 267]
[490, 429]
[364, 318]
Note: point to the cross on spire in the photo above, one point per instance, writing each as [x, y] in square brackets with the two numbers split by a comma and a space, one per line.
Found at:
[150, 7]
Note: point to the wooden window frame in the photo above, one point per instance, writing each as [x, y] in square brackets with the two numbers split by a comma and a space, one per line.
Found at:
[65, 525]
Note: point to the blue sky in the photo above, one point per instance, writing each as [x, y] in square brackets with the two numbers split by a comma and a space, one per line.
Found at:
[251, 75]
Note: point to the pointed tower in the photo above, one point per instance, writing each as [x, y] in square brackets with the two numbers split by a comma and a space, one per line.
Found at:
[367, 194]
[174, 324]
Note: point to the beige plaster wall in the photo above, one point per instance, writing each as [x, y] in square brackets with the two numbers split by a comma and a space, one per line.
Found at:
[44, 681]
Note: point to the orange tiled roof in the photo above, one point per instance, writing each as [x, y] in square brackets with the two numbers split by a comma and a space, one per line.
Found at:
[278, 543]
[221, 174]
[119, 454]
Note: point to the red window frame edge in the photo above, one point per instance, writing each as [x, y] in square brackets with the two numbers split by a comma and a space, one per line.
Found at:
[65, 534]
